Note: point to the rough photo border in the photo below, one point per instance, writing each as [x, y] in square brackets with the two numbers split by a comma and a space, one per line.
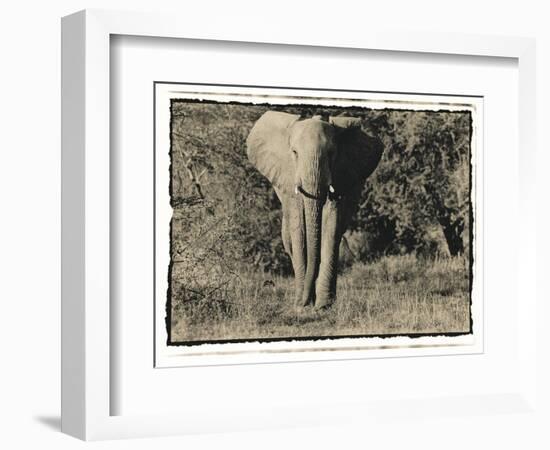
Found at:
[472, 213]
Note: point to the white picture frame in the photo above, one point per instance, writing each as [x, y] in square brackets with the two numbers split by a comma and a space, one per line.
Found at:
[87, 322]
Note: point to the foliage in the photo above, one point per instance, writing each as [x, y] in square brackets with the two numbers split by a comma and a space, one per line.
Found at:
[422, 181]
[210, 168]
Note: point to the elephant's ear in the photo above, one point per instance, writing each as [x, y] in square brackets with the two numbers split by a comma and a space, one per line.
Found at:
[357, 157]
[268, 148]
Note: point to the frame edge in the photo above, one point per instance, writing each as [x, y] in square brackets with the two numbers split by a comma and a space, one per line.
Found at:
[73, 82]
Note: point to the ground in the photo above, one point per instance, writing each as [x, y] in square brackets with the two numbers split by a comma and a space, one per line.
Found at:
[394, 295]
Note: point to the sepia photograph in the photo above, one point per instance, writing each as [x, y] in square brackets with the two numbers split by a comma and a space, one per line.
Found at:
[299, 218]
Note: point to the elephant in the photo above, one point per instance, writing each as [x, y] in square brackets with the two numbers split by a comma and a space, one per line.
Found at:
[317, 167]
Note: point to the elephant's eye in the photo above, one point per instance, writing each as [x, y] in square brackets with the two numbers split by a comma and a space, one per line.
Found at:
[294, 153]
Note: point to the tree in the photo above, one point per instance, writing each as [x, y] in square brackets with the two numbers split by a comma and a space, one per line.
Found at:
[424, 178]
[210, 167]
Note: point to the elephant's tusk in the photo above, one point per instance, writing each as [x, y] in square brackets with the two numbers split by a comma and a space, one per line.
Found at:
[296, 189]
[331, 189]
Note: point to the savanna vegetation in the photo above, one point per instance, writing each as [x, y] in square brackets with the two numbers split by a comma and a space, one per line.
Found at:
[405, 262]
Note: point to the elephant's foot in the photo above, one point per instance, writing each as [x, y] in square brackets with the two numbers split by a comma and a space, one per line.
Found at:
[301, 303]
[324, 302]
[305, 298]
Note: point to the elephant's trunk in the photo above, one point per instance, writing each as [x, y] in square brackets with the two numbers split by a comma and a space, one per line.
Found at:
[315, 183]
[313, 215]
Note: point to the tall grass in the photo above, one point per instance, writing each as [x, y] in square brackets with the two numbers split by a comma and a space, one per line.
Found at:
[394, 295]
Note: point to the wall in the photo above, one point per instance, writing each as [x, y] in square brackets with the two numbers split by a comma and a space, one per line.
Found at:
[30, 186]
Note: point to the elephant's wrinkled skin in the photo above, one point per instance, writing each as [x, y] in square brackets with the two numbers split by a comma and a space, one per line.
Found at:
[317, 169]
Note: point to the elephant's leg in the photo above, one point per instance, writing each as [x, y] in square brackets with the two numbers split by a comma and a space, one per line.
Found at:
[296, 228]
[325, 290]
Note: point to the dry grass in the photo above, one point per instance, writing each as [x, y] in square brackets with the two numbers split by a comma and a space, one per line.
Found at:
[395, 295]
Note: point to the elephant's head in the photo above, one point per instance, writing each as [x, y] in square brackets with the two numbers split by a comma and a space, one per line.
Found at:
[314, 159]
